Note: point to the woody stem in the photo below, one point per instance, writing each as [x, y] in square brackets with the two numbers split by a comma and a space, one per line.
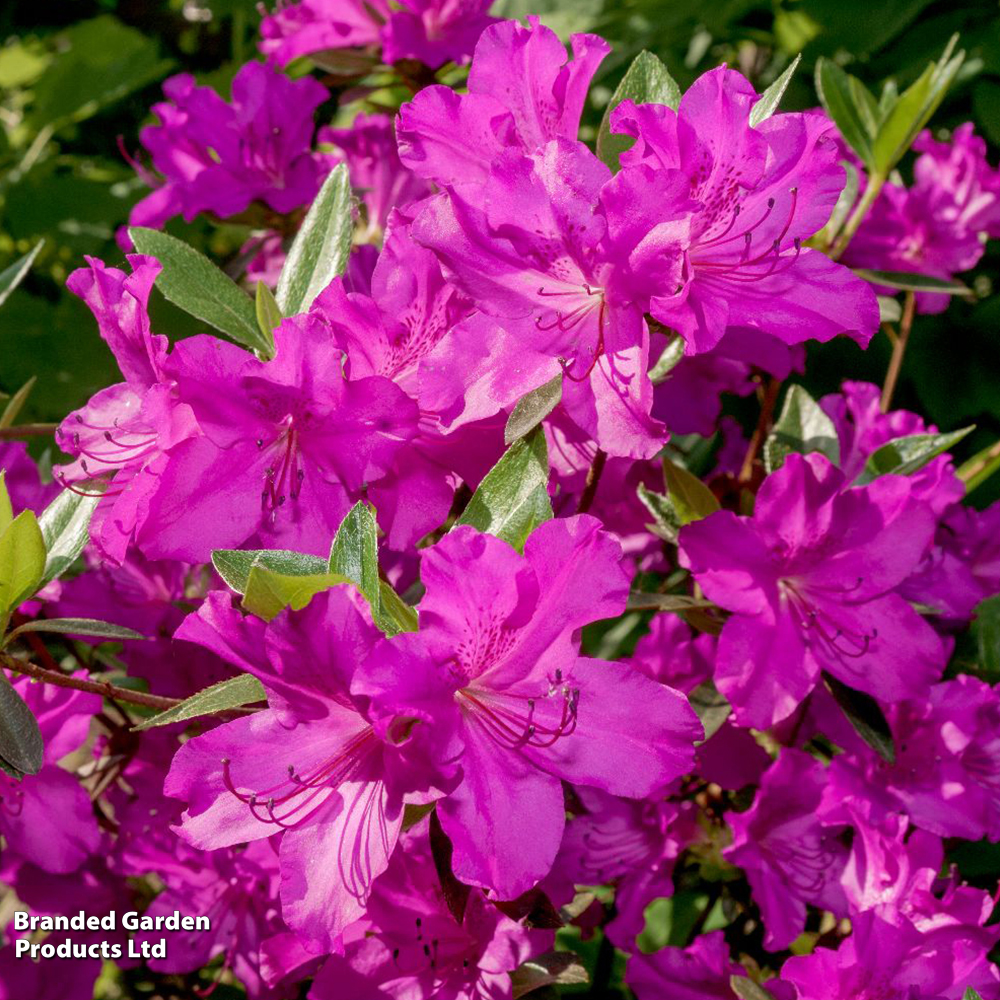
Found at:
[898, 350]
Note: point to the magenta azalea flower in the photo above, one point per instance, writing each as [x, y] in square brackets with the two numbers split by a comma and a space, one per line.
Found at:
[811, 579]
[789, 858]
[285, 447]
[497, 663]
[700, 972]
[218, 157]
[760, 192]
[312, 767]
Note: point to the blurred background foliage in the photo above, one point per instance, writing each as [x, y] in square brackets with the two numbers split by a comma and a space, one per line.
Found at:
[78, 79]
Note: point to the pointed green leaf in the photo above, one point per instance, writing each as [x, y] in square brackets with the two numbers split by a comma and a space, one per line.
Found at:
[691, 498]
[233, 693]
[269, 593]
[905, 455]
[234, 565]
[840, 98]
[980, 467]
[865, 714]
[971, 994]
[802, 427]
[666, 521]
[986, 629]
[12, 276]
[771, 98]
[396, 615]
[193, 283]
[710, 706]
[268, 314]
[76, 626]
[22, 561]
[16, 402]
[512, 500]
[6, 510]
[354, 554]
[667, 361]
[914, 282]
[531, 409]
[747, 989]
[647, 81]
[322, 246]
[64, 525]
[550, 969]
[21, 744]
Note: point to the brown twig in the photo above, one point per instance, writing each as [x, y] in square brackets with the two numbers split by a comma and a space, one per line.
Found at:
[27, 430]
[593, 481]
[898, 350]
[769, 397]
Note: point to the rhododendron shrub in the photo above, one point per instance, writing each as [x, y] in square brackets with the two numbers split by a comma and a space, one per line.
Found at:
[478, 604]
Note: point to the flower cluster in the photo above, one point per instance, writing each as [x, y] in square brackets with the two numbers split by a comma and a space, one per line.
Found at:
[510, 637]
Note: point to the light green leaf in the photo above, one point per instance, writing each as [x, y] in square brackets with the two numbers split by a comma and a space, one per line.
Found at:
[6, 510]
[75, 626]
[914, 282]
[193, 283]
[21, 744]
[971, 994]
[547, 970]
[269, 593]
[667, 361]
[666, 522]
[64, 525]
[647, 81]
[22, 561]
[268, 314]
[16, 402]
[840, 98]
[911, 111]
[233, 693]
[322, 246]
[771, 97]
[691, 498]
[234, 565]
[905, 455]
[354, 554]
[531, 409]
[747, 989]
[802, 427]
[710, 706]
[512, 500]
[396, 615]
[980, 467]
[13, 275]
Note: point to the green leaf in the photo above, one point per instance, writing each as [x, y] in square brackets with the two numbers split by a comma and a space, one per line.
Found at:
[13, 275]
[914, 282]
[193, 283]
[667, 361]
[550, 969]
[64, 525]
[233, 693]
[75, 626]
[16, 402]
[840, 98]
[6, 510]
[512, 500]
[747, 989]
[234, 565]
[269, 593]
[268, 314]
[395, 612]
[710, 706]
[986, 628]
[322, 246]
[641, 601]
[666, 522]
[354, 554]
[21, 744]
[913, 109]
[691, 498]
[531, 409]
[980, 467]
[647, 81]
[802, 427]
[904, 456]
[771, 98]
[865, 715]
[971, 994]
[22, 561]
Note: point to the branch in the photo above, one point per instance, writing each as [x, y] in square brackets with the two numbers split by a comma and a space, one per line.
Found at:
[593, 480]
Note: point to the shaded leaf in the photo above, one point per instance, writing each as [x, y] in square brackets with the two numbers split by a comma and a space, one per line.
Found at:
[232, 693]
[986, 629]
[456, 894]
[802, 427]
[193, 283]
[64, 525]
[666, 523]
[16, 402]
[865, 714]
[512, 500]
[12, 276]
[531, 409]
[21, 743]
[550, 969]
[647, 81]
[747, 989]
[771, 98]
[234, 565]
[840, 99]
[710, 706]
[980, 467]
[664, 602]
[691, 498]
[913, 282]
[667, 361]
[322, 246]
[397, 615]
[76, 626]
[354, 554]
